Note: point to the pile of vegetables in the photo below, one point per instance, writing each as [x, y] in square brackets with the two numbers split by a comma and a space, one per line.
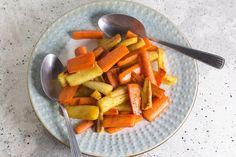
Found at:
[115, 86]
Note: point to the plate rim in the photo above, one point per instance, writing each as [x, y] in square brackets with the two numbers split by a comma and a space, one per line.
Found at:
[89, 3]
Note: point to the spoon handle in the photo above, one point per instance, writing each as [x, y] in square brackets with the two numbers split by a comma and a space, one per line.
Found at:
[210, 59]
[74, 147]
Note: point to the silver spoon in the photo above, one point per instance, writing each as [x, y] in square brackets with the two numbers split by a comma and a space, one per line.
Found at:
[112, 24]
[50, 68]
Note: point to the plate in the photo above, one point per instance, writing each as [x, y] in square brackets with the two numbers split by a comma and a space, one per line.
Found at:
[144, 136]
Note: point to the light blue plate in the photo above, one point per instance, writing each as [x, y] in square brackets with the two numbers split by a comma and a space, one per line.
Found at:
[144, 136]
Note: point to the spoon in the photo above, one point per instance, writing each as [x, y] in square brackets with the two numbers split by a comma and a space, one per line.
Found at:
[112, 24]
[50, 68]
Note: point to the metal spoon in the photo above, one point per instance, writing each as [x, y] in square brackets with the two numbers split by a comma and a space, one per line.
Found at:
[50, 68]
[112, 24]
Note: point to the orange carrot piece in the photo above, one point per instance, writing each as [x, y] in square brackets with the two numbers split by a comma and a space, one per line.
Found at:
[159, 76]
[82, 50]
[112, 111]
[152, 48]
[125, 76]
[66, 94]
[125, 112]
[137, 78]
[147, 66]
[135, 97]
[147, 43]
[83, 126]
[112, 57]
[87, 34]
[73, 101]
[158, 106]
[112, 76]
[157, 92]
[128, 58]
[83, 62]
[119, 121]
[86, 101]
[98, 51]
[130, 34]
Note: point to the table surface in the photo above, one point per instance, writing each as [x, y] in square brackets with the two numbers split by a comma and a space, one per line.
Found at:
[209, 25]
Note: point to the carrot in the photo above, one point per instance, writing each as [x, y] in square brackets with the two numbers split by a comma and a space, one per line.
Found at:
[135, 97]
[73, 101]
[113, 77]
[130, 34]
[112, 111]
[119, 121]
[82, 50]
[83, 126]
[112, 57]
[137, 78]
[147, 66]
[128, 58]
[158, 106]
[152, 48]
[125, 112]
[147, 43]
[79, 63]
[161, 56]
[159, 76]
[125, 76]
[98, 51]
[86, 101]
[87, 34]
[67, 93]
[157, 92]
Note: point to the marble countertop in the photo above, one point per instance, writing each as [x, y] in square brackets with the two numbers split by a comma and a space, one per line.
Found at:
[209, 25]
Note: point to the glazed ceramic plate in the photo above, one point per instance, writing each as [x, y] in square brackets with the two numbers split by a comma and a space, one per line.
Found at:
[144, 136]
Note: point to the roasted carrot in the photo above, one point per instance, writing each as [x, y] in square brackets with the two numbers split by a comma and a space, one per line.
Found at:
[86, 101]
[147, 66]
[66, 94]
[159, 76]
[82, 50]
[128, 58]
[112, 57]
[98, 51]
[83, 126]
[147, 43]
[169, 79]
[161, 56]
[112, 111]
[152, 48]
[79, 63]
[130, 34]
[125, 112]
[146, 95]
[125, 76]
[157, 91]
[87, 34]
[135, 97]
[112, 76]
[158, 106]
[73, 101]
[119, 121]
[137, 78]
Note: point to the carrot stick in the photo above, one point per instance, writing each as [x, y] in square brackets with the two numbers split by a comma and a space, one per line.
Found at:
[73, 101]
[137, 78]
[152, 48]
[135, 97]
[157, 92]
[130, 34]
[147, 43]
[87, 34]
[147, 67]
[82, 50]
[83, 126]
[113, 77]
[98, 51]
[125, 112]
[128, 58]
[86, 101]
[161, 56]
[112, 57]
[112, 111]
[157, 107]
[119, 121]
[66, 94]
[79, 63]
[125, 76]
[159, 76]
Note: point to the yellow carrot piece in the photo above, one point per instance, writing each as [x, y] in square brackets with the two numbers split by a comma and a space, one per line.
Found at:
[137, 45]
[146, 95]
[129, 41]
[161, 58]
[85, 112]
[169, 79]
[62, 78]
[100, 86]
[96, 95]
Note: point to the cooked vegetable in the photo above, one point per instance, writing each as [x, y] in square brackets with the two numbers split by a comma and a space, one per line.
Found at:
[169, 80]
[100, 86]
[129, 41]
[96, 95]
[112, 111]
[112, 76]
[147, 43]
[158, 106]
[102, 41]
[137, 45]
[83, 91]
[111, 43]
[66, 94]
[85, 112]
[152, 48]
[161, 56]
[82, 50]
[125, 76]
[84, 76]
[98, 51]
[88, 34]
[119, 121]
[131, 57]
[83, 126]
[157, 92]
[112, 58]
[159, 76]
[135, 97]
[124, 107]
[146, 95]
[136, 78]
[62, 78]
[122, 90]
[86, 101]
[130, 34]
[99, 79]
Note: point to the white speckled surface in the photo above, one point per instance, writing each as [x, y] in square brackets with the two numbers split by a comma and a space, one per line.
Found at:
[209, 25]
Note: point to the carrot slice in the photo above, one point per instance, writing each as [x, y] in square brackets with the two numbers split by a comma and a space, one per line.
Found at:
[83, 126]
[131, 57]
[82, 50]
[157, 107]
[137, 78]
[112, 111]
[159, 76]
[87, 34]
[147, 43]
[147, 67]
[125, 76]
[119, 121]
[113, 77]
[135, 97]
[86, 101]
[112, 57]
[79, 63]
[157, 92]
[130, 34]
[66, 94]
[98, 51]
